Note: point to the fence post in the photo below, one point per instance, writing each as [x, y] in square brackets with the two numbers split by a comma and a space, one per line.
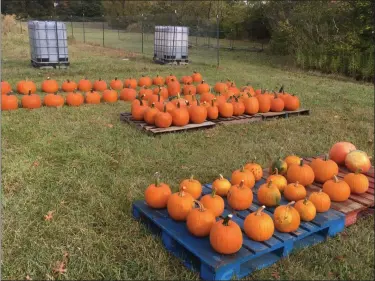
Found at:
[103, 33]
[142, 33]
[21, 26]
[218, 41]
[71, 23]
[83, 26]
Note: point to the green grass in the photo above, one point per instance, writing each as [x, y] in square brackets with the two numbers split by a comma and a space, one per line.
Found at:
[88, 167]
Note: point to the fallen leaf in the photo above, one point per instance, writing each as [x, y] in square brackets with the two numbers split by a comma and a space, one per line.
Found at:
[35, 163]
[109, 125]
[49, 216]
[28, 277]
[59, 268]
[275, 275]
[340, 258]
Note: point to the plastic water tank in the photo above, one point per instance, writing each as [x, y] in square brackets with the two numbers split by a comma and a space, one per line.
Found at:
[48, 43]
[171, 43]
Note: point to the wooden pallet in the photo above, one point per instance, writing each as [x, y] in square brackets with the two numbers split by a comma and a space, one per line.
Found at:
[197, 253]
[356, 206]
[126, 117]
[260, 117]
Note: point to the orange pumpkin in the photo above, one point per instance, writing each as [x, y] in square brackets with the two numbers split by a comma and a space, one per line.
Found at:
[150, 114]
[144, 81]
[197, 113]
[294, 192]
[220, 87]
[202, 88]
[356, 160]
[259, 225]
[163, 119]
[302, 173]
[238, 107]
[197, 77]
[339, 151]
[226, 110]
[256, 169]
[200, 221]
[321, 201]
[50, 86]
[251, 105]
[212, 111]
[179, 205]
[162, 91]
[158, 80]
[92, 97]
[243, 175]
[226, 236]
[54, 100]
[221, 186]
[264, 103]
[9, 102]
[286, 218]
[31, 101]
[69, 86]
[74, 99]
[180, 116]
[100, 85]
[213, 203]
[292, 159]
[292, 103]
[173, 87]
[337, 190]
[5, 88]
[116, 84]
[207, 97]
[84, 85]
[157, 100]
[130, 83]
[26, 86]
[169, 78]
[277, 104]
[138, 110]
[324, 169]
[189, 89]
[193, 187]
[269, 194]
[145, 93]
[278, 180]
[128, 94]
[240, 197]
[110, 96]
[186, 79]
[157, 194]
[306, 209]
[357, 182]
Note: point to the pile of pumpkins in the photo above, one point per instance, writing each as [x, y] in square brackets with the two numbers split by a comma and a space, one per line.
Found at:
[288, 177]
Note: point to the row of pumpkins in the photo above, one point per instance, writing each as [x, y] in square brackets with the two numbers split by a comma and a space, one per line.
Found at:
[225, 235]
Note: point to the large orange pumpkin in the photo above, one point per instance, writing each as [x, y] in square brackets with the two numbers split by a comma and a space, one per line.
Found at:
[301, 173]
[174, 88]
[110, 96]
[128, 94]
[163, 119]
[202, 88]
[69, 86]
[116, 84]
[321, 201]
[324, 169]
[197, 113]
[357, 182]
[100, 85]
[130, 82]
[245, 175]
[26, 86]
[200, 220]
[150, 114]
[259, 225]
[339, 151]
[337, 190]
[92, 97]
[269, 194]
[213, 202]
[180, 116]
[356, 160]
[31, 101]
[144, 81]
[54, 100]
[157, 194]
[197, 77]
[240, 197]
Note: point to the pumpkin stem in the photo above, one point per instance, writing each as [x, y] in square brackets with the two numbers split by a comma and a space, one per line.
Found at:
[100, 79]
[301, 162]
[227, 219]
[159, 95]
[296, 183]
[305, 200]
[221, 177]
[335, 179]
[153, 105]
[29, 92]
[213, 193]
[165, 108]
[326, 157]
[48, 78]
[276, 171]
[269, 183]
[290, 203]
[358, 171]
[157, 179]
[241, 184]
[178, 104]
[182, 191]
[213, 102]
[281, 89]
[67, 80]
[259, 211]
[115, 78]
[191, 178]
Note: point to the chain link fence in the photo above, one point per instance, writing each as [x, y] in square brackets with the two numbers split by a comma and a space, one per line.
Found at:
[208, 41]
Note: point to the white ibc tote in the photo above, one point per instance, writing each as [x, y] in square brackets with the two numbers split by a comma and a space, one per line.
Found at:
[171, 43]
[48, 43]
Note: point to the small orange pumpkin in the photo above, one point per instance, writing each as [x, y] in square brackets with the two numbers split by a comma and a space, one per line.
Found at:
[180, 204]
[220, 87]
[324, 169]
[277, 104]
[200, 220]
[74, 99]
[189, 89]
[31, 101]
[5, 88]
[54, 100]
[259, 225]
[197, 77]
[69, 86]
[116, 84]
[292, 159]
[221, 185]
[286, 218]
[145, 81]
[169, 78]
[186, 80]
[84, 85]
[173, 87]
[256, 169]
[245, 175]
[203, 87]
[302, 173]
[163, 119]
[264, 103]
[130, 83]
[269, 195]
[193, 187]
[278, 180]
[306, 209]
[180, 116]
[110, 96]
[240, 197]
[158, 80]
[26, 86]
[157, 194]
[294, 192]
[138, 110]
[9, 102]
[100, 85]
[238, 107]
[292, 102]
[321, 201]
[357, 182]
[50, 86]
[337, 190]
[226, 110]
[251, 105]
[128, 94]
[213, 202]
[212, 111]
[150, 114]
[197, 113]
[92, 97]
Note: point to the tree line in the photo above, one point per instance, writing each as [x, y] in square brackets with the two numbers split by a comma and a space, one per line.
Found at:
[331, 36]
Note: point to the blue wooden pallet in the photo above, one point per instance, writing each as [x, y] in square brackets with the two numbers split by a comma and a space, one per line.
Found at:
[197, 253]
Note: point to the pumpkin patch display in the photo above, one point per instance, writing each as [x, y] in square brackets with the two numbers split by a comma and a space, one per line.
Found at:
[278, 180]
[158, 80]
[130, 83]
[306, 209]
[110, 96]
[337, 190]
[240, 197]
[357, 182]
[193, 187]
[324, 169]
[256, 169]
[294, 192]
[50, 86]
[321, 201]
[280, 165]
[357, 160]
[31, 101]
[92, 97]
[163, 119]
[259, 226]
[128, 94]
[221, 186]
[100, 85]
[269, 194]
[226, 236]
[243, 175]
[200, 220]
[197, 77]
[157, 194]
[5, 88]
[180, 116]
[84, 85]
[138, 109]
[74, 99]
[179, 205]
[150, 114]
[301, 173]
[286, 218]
[197, 113]
[116, 84]
[9, 102]
[69, 86]
[213, 202]
[54, 100]
[339, 151]
[144, 81]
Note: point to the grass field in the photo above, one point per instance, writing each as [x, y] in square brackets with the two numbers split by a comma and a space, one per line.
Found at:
[88, 167]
